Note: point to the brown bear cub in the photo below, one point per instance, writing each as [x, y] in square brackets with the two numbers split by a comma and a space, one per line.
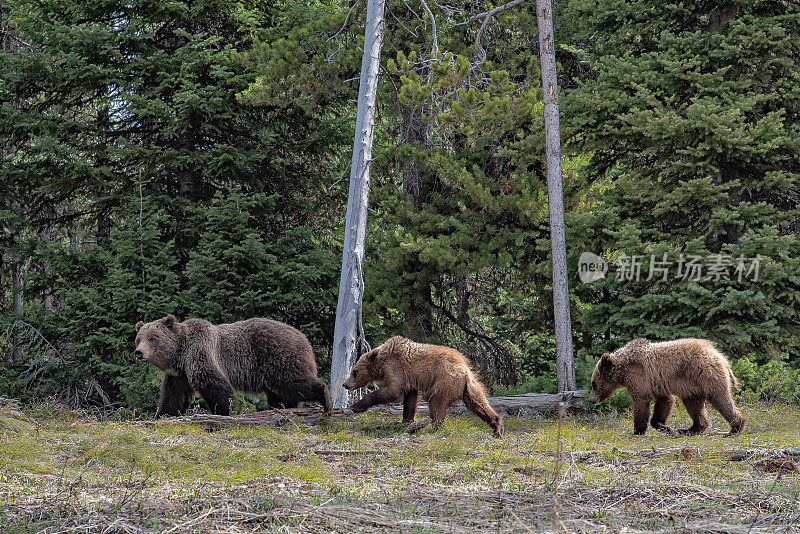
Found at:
[252, 356]
[692, 369]
[406, 369]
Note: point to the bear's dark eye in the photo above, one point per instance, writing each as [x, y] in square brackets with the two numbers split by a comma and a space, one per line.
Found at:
[594, 385]
[151, 339]
[354, 373]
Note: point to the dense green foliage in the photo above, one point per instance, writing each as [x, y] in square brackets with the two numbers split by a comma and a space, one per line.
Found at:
[693, 125]
[143, 185]
[189, 157]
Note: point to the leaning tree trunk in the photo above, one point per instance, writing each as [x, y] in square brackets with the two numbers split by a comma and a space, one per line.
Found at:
[348, 336]
[565, 374]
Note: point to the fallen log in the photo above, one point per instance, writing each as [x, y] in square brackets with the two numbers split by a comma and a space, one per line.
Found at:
[511, 405]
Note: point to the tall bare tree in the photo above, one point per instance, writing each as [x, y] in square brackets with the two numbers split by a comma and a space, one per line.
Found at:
[565, 374]
[348, 335]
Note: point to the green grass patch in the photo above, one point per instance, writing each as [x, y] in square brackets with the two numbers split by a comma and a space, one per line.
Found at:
[367, 470]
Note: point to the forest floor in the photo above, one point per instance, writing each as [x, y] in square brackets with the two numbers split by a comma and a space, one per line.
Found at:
[68, 472]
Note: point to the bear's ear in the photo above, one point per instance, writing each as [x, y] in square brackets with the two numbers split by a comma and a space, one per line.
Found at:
[139, 325]
[606, 364]
[371, 355]
[169, 321]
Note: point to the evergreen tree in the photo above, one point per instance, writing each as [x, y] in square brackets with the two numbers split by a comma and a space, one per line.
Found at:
[128, 141]
[245, 265]
[692, 125]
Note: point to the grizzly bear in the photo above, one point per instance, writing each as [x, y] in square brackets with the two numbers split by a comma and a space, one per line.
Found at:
[406, 369]
[253, 356]
[692, 369]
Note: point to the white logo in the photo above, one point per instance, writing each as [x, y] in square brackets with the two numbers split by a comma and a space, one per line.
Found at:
[591, 267]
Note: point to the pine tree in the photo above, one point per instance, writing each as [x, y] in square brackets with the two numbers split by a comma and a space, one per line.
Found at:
[130, 142]
[692, 125]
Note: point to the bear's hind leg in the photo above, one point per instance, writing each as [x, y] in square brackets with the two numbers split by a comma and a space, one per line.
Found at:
[437, 406]
[438, 410]
[276, 401]
[317, 390]
[410, 401]
[662, 412]
[312, 390]
[724, 405]
[696, 406]
[321, 394]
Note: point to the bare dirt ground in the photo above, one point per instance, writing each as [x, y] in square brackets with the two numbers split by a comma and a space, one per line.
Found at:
[68, 472]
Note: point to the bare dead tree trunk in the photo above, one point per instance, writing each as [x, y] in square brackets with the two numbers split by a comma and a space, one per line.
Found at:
[565, 363]
[348, 336]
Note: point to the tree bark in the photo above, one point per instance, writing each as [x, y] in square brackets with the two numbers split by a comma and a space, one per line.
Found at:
[565, 375]
[348, 338]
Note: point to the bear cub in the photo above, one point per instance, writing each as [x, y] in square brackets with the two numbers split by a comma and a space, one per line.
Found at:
[252, 356]
[692, 369]
[406, 369]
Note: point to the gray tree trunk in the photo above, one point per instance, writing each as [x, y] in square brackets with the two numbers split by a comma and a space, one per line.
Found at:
[348, 337]
[565, 363]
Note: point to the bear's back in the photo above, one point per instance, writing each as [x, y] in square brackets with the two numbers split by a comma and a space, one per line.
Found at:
[258, 351]
[686, 367]
[426, 364]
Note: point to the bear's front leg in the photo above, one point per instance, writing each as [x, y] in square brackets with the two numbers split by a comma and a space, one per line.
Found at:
[215, 390]
[641, 416]
[176, 394]
[384, 395]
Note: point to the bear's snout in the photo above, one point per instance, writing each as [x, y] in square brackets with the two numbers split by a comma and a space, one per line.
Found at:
[348, 385]
[139, 353]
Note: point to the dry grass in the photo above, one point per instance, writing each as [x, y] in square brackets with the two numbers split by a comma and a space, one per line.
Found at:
[65, 472]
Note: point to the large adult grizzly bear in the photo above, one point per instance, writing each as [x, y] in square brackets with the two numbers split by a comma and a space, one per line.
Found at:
[406, 369]
[692, 369]
[253, 356]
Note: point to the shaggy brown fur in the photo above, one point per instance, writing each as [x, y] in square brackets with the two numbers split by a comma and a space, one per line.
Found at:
[692, 369]
[406, 369]
[253, 356]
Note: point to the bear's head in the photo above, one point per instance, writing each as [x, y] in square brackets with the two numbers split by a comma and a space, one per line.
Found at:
[610, 372]
[604, 383]
[369, 367]
[158, 342]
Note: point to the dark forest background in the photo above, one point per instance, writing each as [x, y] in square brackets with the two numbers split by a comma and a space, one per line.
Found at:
[191, 157]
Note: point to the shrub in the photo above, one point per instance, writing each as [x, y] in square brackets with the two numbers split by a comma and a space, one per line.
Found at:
[773, 381]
